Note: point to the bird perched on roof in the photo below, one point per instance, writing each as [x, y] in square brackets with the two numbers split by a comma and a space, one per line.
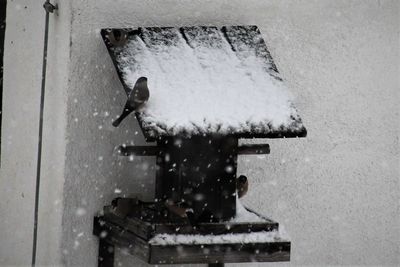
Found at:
[136, 98]
[242, 185]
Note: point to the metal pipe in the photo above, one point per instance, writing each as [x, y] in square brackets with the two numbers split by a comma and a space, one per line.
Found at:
[49, 8]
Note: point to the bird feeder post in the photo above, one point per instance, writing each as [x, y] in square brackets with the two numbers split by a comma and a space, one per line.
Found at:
[106, 254]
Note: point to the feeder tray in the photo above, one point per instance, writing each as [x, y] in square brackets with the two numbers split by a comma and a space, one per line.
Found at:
[147, 233]
[196, 155]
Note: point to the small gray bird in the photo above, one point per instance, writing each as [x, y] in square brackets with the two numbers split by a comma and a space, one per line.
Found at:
[136, 98]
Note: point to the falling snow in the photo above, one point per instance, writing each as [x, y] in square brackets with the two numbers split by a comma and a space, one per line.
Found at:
[80, 211]
[117, 191]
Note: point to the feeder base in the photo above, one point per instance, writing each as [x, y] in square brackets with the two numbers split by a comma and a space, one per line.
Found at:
[137, 227]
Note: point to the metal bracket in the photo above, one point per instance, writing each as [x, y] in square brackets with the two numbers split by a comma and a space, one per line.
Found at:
[49, 7]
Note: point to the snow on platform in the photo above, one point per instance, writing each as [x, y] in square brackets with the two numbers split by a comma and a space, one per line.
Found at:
[256, 237]
[206, 80]
[243, 215]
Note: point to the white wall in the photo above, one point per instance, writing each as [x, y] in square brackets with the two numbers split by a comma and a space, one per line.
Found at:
[19, 135]
[336, 191]
[49, 239]
[20, 131]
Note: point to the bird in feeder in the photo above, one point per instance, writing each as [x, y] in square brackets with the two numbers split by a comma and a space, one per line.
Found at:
[176, 209]
[136, 98]
[118, 37]
[242, 185]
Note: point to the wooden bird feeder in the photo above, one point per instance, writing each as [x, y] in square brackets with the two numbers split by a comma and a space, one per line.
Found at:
[209, 87]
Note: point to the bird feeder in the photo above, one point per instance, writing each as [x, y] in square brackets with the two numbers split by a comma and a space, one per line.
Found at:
[209, 87]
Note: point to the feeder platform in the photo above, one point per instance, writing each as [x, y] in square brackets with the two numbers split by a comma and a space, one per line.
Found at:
[146, 231]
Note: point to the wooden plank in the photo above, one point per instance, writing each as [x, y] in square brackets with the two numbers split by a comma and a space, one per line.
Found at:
[247, 40]
[143, 229]
[106, 254]
[146, 220]
[203, 37]
[160, 38]
[216, 228]
[114, 234]
[147, 230]
[139, 150]
[120, 237]
[253, 149]
[220, 253]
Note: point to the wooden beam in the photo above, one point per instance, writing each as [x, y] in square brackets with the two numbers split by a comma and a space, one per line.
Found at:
[139, 150]
[117, 235]
[106, 254]
[253, 149]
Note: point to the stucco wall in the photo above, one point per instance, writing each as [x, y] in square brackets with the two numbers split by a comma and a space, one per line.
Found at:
[52, 180]
[19, 135]
[336, 191]
[20, 130]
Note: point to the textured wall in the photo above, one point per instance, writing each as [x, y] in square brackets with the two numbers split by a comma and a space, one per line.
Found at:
[20, 130]
[336, 191]
[50, 210]
[19, 136]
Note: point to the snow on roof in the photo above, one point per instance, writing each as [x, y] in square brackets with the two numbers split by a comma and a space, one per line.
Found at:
[206, 80]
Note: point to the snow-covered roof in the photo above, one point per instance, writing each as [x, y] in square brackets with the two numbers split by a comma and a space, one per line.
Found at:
[206, 80]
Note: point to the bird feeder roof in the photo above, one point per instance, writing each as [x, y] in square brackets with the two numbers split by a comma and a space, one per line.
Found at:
[205, 81]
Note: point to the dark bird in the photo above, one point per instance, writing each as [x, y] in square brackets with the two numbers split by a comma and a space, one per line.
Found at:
[136, 98]
[118, 37]
[177, 209]
[184, 211]
[242, 185]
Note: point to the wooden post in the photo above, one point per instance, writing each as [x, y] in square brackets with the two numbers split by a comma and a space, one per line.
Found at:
[106, 254]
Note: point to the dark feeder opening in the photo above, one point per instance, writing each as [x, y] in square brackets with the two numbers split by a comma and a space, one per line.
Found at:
[201, 172]
[196, 173]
